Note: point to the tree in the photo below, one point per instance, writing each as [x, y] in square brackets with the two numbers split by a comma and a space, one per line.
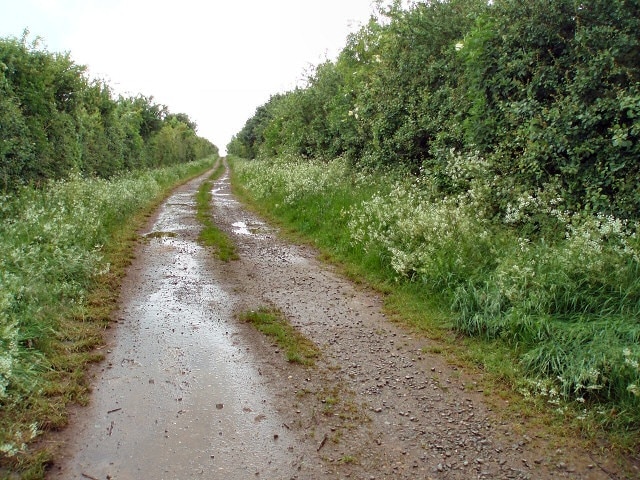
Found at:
[554, 87]
[54, 121]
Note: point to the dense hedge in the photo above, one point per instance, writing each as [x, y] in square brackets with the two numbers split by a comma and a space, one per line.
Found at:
[54, 121]
[546, 92]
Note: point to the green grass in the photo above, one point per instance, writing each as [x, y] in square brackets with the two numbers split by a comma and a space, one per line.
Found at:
[297, 348]
[63, 253]
[348, 459]
[210, 235]
[549, 314]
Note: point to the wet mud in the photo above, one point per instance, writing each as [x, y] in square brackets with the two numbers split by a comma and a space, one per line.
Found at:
[188, 391]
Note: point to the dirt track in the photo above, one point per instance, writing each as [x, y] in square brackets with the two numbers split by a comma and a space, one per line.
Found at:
[188, 392]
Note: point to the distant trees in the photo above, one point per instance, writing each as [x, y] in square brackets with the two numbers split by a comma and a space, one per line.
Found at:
[546, 92]
[54, 120]
[247, 142]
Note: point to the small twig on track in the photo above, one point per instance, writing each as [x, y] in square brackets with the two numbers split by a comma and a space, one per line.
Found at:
[324, 440]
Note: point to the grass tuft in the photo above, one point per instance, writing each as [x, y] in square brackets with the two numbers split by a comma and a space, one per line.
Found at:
[271, 322]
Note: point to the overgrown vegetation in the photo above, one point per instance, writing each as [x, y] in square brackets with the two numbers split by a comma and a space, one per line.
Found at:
[271, 322]
[487, 158]
[63, 249]
[55, 121]
[432, 254]
[211, 235]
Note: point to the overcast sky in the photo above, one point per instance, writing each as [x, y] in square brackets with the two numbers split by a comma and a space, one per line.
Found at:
[214, 60]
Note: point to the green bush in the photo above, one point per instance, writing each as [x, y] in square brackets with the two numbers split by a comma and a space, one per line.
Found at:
[54, 122]
[554, 89]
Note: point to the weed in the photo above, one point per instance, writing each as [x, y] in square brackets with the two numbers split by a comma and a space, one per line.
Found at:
[348, 459]
[302, 393]
[160, 235]
[271, 322]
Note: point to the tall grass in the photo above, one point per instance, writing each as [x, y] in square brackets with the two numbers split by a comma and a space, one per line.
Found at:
[52, 251]
[561, 289]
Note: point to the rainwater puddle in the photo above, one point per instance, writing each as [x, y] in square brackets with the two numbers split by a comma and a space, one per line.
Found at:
[254, 228]
[218, 192]
[221, 192]
[240, 228]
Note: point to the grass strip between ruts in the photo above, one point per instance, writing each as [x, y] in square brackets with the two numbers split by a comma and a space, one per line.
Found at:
[211, 235]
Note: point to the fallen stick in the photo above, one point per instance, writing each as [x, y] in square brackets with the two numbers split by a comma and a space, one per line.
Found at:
[324, 440]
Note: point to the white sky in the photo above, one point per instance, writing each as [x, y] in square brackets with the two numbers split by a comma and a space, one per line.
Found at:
[215, 60]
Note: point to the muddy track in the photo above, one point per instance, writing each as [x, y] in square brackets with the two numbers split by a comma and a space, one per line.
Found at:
[189, 392]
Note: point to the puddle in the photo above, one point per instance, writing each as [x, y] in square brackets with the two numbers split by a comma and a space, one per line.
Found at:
[253, 228]
[223, 200]
[241, 228]
[220, 191]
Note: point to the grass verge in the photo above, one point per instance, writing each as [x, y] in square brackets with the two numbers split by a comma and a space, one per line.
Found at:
[60, 326]
[210, 235]
[353, 218]
[273, 323]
